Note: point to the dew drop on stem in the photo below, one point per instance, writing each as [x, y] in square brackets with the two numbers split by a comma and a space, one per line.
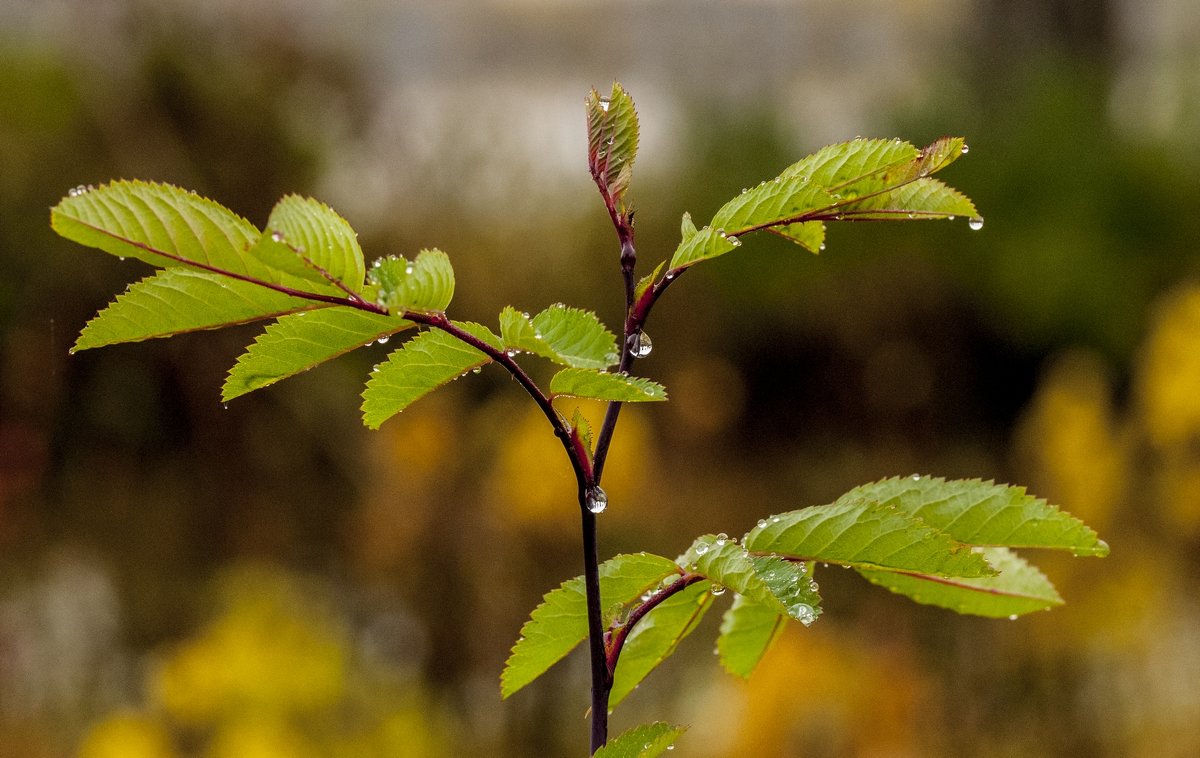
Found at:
[640, 344]
[596, 499]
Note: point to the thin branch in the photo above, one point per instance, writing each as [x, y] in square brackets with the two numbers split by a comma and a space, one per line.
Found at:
[618, 635]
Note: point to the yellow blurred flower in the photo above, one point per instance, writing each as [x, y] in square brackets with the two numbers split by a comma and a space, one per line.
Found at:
[269, 651]
[259, 737]
[127, 734]
[1168, 375]
[1071, 445]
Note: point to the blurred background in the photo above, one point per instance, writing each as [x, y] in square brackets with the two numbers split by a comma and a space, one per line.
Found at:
[272, 579]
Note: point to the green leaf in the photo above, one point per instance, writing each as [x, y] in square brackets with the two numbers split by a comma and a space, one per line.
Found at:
[856, 180]
[569, 336]
[748, 629]
[922, 198]
[307, 239]
[421, 365]
[864, 534]
[612, 139]
[657, 635]
[836, 166]
[645, 741]
[809, 235]
[179, 300]
[582, 429]
[766, 579]
[1018, 589]
[559, 623]
[424, 285]
[704, 244]
[163, 226]
[648, 280]
[301, 341]
[598, 385]
[983, 513]
[771, 203]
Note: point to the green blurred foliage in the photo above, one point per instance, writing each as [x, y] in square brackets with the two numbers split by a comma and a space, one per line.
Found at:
[180, 579]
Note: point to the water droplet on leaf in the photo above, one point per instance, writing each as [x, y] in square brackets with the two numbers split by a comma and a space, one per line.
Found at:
[701, 548]
[762, 522]
[722, 538]
[975, 223]
[383, 340]
[718, 589]
[604, 103]
[803, 612]
[277, 236]
[966, 148]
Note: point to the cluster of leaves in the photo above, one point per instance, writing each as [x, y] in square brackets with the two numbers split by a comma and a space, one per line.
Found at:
[306, 271]
[939, 542]
[945, 543]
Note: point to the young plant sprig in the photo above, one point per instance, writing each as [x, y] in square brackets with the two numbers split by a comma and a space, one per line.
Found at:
[938, 542]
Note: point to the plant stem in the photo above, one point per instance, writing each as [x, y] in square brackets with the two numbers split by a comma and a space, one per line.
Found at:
[601, 674]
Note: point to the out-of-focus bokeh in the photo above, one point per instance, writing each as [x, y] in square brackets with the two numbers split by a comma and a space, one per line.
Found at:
[272, 579]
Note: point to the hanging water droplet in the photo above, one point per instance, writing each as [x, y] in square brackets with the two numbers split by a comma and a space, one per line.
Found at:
[224, 406]
[718, 589]
[477, 369]
[966, 148]
[803, 612]
[813, 586]
[976, 223]
[604, 103]
[640, 344]
[383, 340]
[916, 477]
[596, 500]
[701, 548]
[1013, 617]
[120, 257]
[822, 247]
